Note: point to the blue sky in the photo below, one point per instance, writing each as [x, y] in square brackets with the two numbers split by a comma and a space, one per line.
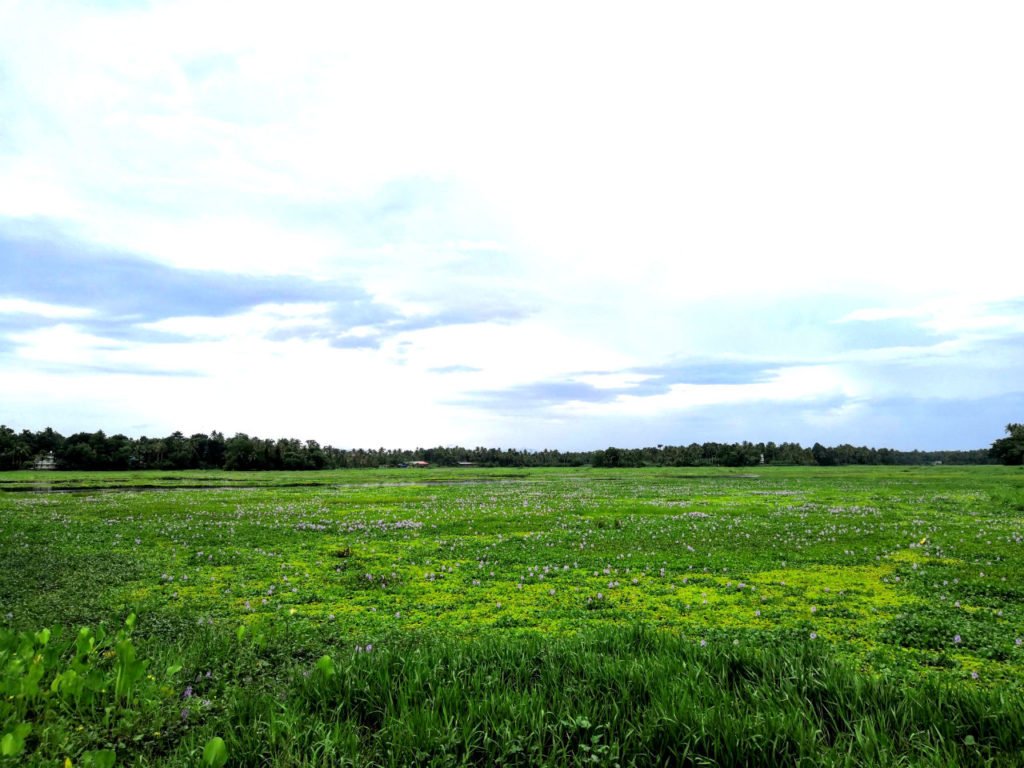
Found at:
[536, 225]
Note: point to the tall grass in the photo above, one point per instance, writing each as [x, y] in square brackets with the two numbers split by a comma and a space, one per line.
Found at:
[628, 697]
[631, 697]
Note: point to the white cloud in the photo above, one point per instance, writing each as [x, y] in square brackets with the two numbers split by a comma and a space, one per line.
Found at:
[254, 324]
[640, 185]
[64, 344]
[16, 306]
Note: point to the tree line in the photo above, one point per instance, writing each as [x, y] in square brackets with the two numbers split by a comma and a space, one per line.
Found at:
[99, 451]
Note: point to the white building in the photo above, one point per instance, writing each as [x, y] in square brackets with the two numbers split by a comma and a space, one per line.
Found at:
[45, 461]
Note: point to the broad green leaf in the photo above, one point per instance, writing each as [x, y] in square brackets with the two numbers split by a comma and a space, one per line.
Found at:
[101, 758]
[12, 744]
[325, 666]
[215, 753]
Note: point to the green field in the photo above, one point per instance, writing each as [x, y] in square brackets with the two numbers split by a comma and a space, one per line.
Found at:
[770, 616]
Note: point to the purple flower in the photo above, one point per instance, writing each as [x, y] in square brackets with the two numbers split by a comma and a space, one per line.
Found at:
[814, 635]
[187, 694]
[956, 639]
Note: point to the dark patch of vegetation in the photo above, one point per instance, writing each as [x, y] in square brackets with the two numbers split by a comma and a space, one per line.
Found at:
[97, 451]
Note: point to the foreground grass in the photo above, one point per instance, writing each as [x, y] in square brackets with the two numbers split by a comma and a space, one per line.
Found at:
[629, 697]
[652, 617]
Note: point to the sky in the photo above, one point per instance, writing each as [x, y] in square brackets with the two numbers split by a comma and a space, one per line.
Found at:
[527, 225]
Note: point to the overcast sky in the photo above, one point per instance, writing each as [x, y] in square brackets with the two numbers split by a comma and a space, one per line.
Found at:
[530, 225]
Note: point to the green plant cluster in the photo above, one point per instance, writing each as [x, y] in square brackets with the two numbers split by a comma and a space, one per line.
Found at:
[84, 698]
[629, 697]
[869, 616]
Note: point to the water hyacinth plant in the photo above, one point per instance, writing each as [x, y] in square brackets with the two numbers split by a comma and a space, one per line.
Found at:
[542, 617]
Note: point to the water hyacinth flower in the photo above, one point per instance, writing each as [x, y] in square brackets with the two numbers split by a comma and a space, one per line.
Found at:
[956, 639]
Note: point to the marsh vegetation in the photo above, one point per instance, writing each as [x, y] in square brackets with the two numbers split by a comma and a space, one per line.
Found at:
[814, 616]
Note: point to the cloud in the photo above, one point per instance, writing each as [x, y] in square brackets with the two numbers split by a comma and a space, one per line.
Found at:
[117, 370]
[355, 342]
[127, 298]
[708, 372]
[20, 323]
[927, 423]
[454, 369]
[319, 190]
[904, 423]
[40, 309]
[470, 314]
[59, 271]
[884, 333]
[1014, 308]
[596, 387]
[366, 326]
[539, 395]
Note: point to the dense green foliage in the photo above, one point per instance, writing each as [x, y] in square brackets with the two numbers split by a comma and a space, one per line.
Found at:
[98, 451]
[777, 616]
[625, 697]
[1010, 449]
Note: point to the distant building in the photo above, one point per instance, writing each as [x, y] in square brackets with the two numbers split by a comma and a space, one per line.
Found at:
[45, 461]
[466, 464]
[419, 464]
